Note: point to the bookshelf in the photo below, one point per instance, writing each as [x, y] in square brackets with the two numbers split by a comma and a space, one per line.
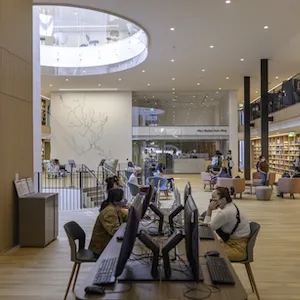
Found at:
[283, 150]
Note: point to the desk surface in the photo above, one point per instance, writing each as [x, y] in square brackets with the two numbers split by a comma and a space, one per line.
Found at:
[164, 290]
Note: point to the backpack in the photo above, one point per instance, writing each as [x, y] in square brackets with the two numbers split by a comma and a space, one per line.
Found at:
[216, 162]
[285, 175]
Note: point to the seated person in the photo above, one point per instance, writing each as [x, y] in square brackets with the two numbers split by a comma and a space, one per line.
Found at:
[134, 180]
[222, 172]
[108, 221]
[130, 167]
[114, 183]
[230, 223]
[159, 172]
[297, 173]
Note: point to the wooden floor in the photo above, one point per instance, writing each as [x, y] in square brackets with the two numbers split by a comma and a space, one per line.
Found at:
[43, 273]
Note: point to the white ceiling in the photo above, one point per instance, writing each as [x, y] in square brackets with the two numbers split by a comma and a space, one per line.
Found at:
[236, 30]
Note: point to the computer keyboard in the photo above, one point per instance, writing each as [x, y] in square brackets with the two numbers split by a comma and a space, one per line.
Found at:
[106, 272]
[206, 233]
[219, 271]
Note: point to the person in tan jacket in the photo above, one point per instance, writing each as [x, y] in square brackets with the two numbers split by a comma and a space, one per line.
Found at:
[108, 221]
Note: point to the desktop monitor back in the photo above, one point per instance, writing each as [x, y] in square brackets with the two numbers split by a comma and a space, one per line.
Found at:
[147, 199]
[191, 236]
[138, 202]
[187, 191]
[130, 234]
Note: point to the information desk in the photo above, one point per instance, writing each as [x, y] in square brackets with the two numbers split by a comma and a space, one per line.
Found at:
[164, 290]
[189, 165]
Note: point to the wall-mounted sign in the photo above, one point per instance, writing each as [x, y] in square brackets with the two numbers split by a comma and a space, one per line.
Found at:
[292, 134]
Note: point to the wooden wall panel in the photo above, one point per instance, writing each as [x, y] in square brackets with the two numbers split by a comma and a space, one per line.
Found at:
[16, 132]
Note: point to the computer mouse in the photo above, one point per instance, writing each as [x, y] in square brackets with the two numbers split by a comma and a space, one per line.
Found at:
[120, 238]
[94, 290]
[212, 253]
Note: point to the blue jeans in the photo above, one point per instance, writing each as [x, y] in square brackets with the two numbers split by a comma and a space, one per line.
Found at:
[263, 177]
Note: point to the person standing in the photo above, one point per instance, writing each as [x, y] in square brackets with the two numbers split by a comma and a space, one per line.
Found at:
[263, 169]
[229, 162]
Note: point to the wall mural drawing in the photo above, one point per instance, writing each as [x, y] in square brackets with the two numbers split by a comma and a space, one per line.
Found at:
[87, 126]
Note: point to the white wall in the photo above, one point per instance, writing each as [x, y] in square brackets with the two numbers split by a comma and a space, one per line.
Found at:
[90, 126]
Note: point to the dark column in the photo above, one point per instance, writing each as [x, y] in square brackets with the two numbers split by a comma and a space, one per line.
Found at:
[247, 146]
[264, 108]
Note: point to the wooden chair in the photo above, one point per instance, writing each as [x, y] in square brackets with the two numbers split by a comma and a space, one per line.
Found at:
[78, 256]
[254, 227]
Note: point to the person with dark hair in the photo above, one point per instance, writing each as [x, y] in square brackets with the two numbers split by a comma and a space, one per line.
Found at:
[229, 222]
[108, 221]
[263, 169]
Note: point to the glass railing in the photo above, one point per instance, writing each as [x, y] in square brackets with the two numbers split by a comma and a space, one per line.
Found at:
[284, 95]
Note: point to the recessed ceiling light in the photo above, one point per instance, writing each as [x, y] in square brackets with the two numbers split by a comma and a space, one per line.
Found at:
[173, 89]
[211, 46]
[172, 28]
[120, 79]
[217, 92]
[173, 92]
[212, 99]
[148, 84]
[50, 84]
[276, 77]
[172, 60]
[227, 1]
[99, 84]
[198, 83]
[203, 70]
[75, 13]
[194, 97]
[256, 92]
[227, 77]
[84, 71]
[242, 59]
[266, 27]
[153, 97]
[173, 78]
[67, 79]
[220, 88]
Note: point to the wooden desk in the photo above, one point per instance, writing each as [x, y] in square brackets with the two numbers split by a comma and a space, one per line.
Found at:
[164, 290]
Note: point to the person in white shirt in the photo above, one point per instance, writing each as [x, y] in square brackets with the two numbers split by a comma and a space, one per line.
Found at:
[230, 223]
[133, 177]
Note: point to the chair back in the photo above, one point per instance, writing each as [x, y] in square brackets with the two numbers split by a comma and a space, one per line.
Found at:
[202, 217]
[206, 177]
[74, 232]
[271, 178]
[254, 229]
[134, 189]
[159, 182]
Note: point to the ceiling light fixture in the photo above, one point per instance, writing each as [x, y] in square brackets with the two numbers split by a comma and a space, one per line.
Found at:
[148, 84]
[266, 27]
[227, 77]
[173, 78]
[203, 70]
[67, 79]
[194, 96]
[220, 88]
[173, 89]
[256, 92]
[211, 46]
[172, 60]
[143, 71]
[227, 1]
[276, 77]
[120, 79]
[172, 28]
[99, 84]
[198, 83]
[91, 90]
[242, 59]
[50, 84]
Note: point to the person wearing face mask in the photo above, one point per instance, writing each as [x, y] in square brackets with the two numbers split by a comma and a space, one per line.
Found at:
[263, 169]
[108, 221]
[229, 222]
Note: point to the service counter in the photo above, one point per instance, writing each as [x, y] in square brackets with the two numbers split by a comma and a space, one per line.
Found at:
[190, 165]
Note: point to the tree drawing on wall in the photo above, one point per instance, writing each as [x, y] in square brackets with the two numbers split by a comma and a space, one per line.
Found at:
[87, 124]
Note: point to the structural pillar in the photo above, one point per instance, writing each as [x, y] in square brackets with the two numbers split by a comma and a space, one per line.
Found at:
[247, 145]
[264, 113]
[16, 138]
[233, 129]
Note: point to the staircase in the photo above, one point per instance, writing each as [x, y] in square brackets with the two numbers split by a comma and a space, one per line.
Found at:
[92, 196]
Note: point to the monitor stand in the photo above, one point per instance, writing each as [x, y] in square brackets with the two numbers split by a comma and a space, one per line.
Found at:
[136, 271]
[176, 271]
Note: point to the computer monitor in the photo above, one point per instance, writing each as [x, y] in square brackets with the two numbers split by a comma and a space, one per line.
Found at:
[187, 191]
[190, 234]
[136, 272]
[176, 214]
[129, 238]
[147, 199]
[138, 202]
